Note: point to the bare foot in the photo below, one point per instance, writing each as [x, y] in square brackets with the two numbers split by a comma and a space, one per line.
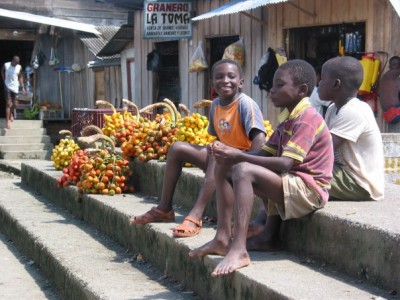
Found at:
[11, 117]
[8, 126]
[233, 260]
[212, 247]
[254, 229]
[263, 243]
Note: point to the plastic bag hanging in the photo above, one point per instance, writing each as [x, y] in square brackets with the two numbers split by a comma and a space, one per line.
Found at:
[267, 70]
[235, 52]
[198, 62]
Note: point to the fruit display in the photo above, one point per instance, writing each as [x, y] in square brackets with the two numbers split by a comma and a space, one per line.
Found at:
[64, 150]
[98, 171]
[112, 123]
[193, 129]
[72, 173]
[104, 173]
[152, 139]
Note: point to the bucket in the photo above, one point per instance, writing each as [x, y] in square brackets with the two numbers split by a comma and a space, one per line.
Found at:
[367, 62]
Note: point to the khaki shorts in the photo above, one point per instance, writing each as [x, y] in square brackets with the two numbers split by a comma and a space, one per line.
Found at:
[344, 187]
[299, 199]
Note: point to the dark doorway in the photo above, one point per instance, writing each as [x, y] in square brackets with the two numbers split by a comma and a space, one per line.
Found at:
[9, 48]
[167, 83]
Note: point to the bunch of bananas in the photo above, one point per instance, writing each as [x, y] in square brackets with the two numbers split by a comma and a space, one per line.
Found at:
[193, 129]
[63, 151]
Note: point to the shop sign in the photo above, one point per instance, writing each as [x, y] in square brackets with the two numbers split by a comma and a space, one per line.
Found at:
[167, 19]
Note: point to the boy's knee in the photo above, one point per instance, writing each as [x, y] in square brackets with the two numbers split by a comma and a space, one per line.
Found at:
[240, 170]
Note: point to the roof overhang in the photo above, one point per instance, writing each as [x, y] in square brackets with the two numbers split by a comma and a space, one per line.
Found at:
[236, 6]
[49, 21]
[396, 6]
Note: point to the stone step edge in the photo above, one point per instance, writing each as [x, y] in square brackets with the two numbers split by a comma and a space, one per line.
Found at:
[114, 223]
[57, 267]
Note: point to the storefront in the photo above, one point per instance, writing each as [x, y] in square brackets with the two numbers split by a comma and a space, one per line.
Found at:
[306, 29]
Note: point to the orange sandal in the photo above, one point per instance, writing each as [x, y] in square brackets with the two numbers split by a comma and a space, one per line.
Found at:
[154, 215]
[184, 230]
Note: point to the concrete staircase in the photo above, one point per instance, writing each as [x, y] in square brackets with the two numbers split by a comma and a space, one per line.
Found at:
[26, 139]
[85, 245]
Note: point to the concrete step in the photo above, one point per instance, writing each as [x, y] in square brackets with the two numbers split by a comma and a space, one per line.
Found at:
[270, 276]
[34, 146]
[81, 262]
[22, 123]
[24, 139]
[26, 154]
[19, 277]
[22, 131]
[357, 238]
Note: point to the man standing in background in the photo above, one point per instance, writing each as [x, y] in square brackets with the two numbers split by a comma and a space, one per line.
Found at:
[12, 78]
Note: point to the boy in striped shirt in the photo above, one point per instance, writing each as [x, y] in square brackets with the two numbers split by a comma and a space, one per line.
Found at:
[292, 172]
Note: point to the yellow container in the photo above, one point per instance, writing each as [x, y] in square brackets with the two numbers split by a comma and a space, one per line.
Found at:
[375, 74]
[367, 63]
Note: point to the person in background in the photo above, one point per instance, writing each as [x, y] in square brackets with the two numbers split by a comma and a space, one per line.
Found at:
[236, 120]
[287, 172]
[389, 92]
[320, 105]
[358, 172]
[13, 79]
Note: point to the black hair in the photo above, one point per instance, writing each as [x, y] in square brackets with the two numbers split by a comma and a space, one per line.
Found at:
[302, 73]
[227, 61]
[394, 58]
[347, 69]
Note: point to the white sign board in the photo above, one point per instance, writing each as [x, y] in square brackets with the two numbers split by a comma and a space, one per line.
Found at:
[167, 19]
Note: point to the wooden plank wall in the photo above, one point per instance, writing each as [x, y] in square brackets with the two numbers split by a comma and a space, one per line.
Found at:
[193, 84]
[382, 23]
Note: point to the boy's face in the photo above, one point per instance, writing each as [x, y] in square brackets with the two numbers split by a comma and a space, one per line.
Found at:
[284, 93]
[227, 81]
[394, 64]
[326, 84]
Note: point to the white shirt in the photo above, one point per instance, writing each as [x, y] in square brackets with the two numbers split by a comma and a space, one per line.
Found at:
[11, 76]
[317, 103]
[362, 152]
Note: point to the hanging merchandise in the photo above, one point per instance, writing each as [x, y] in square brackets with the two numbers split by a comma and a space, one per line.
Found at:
[268, 65]
[372, 70]
[235, 52]
[198, 62]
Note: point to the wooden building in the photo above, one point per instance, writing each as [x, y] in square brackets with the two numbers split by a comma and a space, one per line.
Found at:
[64, 78]
[285, 25]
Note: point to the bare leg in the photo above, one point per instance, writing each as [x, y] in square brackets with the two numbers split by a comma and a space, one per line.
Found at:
[256, 226]
[268, 238]
[178, 154]
[244, 177]
[8, 114]
[219, 245]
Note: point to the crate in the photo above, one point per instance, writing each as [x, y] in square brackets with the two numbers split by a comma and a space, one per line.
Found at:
[82, 117]
[51, 114]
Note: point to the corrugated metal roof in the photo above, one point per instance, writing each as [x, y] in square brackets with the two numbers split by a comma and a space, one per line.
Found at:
[83, 27]
[235, 7]
[111, 41]
[396, 6]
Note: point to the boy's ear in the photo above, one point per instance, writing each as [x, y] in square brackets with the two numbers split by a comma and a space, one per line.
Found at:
[337, 83]
[303, 90]
[241, 83]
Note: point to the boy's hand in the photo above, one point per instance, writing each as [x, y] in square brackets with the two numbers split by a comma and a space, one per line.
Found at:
[224, 154]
